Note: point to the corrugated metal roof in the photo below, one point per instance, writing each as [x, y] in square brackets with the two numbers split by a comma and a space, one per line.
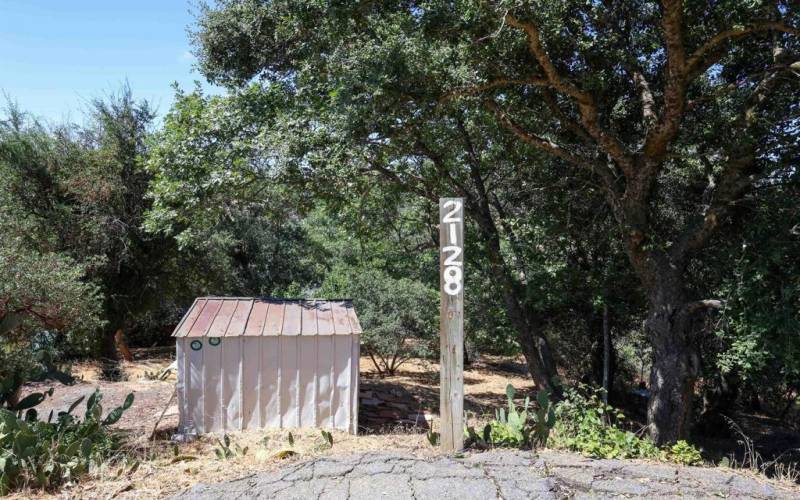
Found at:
[253, 317]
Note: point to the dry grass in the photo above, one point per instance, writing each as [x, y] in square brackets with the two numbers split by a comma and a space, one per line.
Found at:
[754, 462]
[160, 474]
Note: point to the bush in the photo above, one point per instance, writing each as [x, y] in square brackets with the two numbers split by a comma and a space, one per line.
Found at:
[586, 424]
[398, 316]
[44, 454]
[684, 453]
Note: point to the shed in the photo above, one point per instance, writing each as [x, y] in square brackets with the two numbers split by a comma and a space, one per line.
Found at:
[248, 363]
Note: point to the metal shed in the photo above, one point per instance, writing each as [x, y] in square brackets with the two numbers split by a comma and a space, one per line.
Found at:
[246, 363]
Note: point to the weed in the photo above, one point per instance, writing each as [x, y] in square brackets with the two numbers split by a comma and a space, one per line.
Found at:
[226, 451]
[755, 462]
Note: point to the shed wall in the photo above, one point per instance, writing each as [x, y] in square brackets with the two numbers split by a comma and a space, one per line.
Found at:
[268, 382]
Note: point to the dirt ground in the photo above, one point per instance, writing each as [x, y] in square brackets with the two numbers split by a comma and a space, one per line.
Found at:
[164, 468]
[161, 468]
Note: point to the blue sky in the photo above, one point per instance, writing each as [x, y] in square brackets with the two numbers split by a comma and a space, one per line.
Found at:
[56, 55]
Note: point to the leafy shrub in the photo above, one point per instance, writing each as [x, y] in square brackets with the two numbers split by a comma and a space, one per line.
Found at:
[586, 424]
[684, 453]
[44, 454]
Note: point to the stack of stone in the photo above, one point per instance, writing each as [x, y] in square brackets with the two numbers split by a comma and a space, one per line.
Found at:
[387, 407]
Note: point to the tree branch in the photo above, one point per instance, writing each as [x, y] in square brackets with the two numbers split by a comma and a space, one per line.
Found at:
[699, 305]
[397, 180]
[570, 124]
[733, 183]
[681, 71]
[707, 54]
[586, 105]
[734, 180]
[536, 48]
[646, 96]
[533, 139]
[659, 138]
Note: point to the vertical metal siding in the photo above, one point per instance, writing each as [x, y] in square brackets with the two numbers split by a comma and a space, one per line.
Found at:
[297, 375]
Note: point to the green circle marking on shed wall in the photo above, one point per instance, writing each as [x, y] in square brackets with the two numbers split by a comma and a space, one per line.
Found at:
[214, 341]
[196, 345]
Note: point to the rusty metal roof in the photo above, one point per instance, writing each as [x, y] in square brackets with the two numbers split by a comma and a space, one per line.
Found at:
[254, 317]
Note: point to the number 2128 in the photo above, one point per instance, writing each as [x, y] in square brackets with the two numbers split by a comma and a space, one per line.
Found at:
[453, 275]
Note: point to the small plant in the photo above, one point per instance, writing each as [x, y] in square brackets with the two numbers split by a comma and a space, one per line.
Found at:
[225, 451]
[685, 454]
[46, 453]
[434, 438]
[517, 427]
[588, 425]
[544, 418]
[328, 437]
[755, 462]
[509, 428]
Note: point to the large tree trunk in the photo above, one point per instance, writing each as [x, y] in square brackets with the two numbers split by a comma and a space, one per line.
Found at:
[675, 363]
[535, 347]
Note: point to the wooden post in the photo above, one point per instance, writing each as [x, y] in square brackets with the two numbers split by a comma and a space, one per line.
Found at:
[451, 323]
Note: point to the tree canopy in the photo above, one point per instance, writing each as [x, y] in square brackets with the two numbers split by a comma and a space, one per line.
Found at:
[625, 101]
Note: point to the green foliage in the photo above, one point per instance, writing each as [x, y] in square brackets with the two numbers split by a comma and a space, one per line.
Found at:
[80, 264]
[216, 194]
[586, 424]
[685, 454]
[225, 451]
[46, 453]
[434, 438]
[398, 316]
[328, 437]
[755, 340]
[44, 302]
[517, 427]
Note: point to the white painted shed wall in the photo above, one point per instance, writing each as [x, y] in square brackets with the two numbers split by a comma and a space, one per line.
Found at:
[268, 382]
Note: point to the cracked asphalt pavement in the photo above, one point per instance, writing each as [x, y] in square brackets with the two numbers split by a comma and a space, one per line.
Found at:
[499, 474]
